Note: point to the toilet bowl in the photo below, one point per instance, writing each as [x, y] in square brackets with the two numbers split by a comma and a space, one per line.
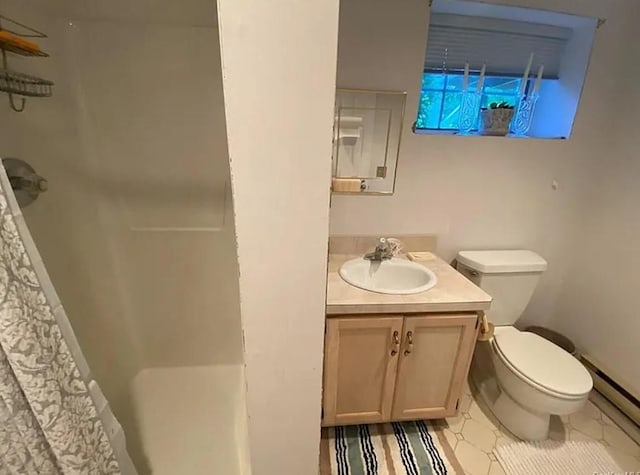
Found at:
[523, 378]
[535, 379]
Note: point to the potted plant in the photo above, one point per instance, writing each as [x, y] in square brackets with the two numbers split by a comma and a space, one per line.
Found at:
[496, 119]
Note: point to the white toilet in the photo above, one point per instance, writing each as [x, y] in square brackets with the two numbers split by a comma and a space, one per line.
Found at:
[521, 376]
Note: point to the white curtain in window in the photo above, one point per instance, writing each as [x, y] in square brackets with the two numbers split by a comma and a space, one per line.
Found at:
[503, 45]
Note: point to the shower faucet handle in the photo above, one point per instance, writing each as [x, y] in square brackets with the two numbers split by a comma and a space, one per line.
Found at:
[31, 183]
[25, 182]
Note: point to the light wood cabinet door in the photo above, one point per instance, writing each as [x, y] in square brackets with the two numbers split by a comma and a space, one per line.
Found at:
[361, 357]
[434, 361]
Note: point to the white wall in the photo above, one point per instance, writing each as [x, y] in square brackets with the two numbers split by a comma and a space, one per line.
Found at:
[476, 192]
[598, 305]
[279, 60]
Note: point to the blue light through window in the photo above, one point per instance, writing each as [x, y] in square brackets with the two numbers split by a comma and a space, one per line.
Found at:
[440, 97]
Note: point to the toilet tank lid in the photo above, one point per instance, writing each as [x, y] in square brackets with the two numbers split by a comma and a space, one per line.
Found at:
[494, 262]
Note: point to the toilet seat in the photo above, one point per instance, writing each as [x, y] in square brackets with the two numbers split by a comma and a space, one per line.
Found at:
[542, 364]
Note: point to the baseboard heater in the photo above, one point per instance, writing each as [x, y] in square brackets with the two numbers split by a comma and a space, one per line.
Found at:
[611, 387]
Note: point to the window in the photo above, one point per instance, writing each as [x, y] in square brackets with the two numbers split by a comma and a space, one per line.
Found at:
[511, 43]
[440, 97]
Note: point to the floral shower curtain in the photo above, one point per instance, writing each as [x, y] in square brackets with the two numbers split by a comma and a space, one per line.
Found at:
[48, 421]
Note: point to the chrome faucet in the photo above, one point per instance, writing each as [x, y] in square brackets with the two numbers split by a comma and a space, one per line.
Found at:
[382, 252]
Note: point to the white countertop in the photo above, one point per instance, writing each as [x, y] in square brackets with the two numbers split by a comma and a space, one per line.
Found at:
[453, 292]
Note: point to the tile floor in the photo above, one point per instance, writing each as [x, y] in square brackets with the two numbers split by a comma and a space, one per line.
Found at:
[475, 432]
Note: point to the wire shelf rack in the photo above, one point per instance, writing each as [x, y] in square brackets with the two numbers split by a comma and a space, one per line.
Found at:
[13, 39]
[24, 84]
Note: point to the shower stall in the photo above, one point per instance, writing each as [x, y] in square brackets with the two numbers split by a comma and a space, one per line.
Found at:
[136, 228]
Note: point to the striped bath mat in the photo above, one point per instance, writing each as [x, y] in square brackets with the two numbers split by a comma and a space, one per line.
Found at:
[399, 448]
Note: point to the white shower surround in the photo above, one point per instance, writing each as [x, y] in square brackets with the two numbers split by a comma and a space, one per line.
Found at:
[137, 228]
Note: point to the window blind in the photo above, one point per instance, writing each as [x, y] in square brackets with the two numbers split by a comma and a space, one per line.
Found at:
[503, 45]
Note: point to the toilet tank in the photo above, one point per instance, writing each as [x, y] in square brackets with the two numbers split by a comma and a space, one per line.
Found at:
[510, 277]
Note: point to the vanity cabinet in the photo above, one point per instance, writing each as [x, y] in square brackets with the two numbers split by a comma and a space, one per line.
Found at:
[361, 360]
[433, 365]
[384, 368]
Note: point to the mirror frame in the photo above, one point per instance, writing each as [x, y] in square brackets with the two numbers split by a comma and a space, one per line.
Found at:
[397, 152]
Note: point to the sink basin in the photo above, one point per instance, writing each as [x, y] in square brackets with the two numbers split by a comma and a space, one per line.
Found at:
[393, 276]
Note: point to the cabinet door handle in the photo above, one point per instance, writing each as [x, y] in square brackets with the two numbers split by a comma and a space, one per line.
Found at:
[396, 343]
[409, 343]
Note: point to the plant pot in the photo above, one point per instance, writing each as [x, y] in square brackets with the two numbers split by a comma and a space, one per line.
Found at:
[495, 121]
